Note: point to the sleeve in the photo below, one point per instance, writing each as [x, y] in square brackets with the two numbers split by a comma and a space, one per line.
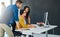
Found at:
[21, 21]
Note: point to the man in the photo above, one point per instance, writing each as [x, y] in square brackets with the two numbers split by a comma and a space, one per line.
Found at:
[2, 9]
[14, 10]
[10, 16]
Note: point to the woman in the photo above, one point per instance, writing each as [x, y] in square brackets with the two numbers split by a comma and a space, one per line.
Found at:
[27, 10]
[22, 22]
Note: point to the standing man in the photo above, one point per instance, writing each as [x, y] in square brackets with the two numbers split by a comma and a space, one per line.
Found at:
[14, 9]
[10, 16]
[2, 10]
[3, 7]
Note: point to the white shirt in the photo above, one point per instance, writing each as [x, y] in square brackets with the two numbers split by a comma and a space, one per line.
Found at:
[18, 12]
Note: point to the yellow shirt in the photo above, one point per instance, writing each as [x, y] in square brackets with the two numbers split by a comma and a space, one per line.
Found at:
[22, 22]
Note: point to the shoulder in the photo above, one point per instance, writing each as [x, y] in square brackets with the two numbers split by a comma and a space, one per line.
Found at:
[21, 18]
[10, 6]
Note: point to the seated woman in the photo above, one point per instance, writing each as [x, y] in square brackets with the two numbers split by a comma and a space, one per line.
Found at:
[22, 22]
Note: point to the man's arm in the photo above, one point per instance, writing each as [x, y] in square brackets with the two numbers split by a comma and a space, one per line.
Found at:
[17, 25]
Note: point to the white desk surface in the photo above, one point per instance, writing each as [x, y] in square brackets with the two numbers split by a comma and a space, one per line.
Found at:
[38, 29]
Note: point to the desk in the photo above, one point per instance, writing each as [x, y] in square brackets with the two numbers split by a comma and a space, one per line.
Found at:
[38, 30]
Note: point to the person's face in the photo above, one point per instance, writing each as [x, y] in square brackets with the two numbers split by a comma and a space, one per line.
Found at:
[24, 14]
[26, 10]
[19, 5]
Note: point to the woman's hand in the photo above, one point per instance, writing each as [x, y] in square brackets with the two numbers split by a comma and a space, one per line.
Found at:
[31, 26]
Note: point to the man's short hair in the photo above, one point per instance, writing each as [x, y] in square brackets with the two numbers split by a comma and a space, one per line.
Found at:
[19, 1]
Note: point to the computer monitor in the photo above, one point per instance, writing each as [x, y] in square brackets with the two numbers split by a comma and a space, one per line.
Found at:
[45, 18]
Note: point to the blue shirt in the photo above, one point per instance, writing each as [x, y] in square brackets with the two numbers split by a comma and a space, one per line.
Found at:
[14, 9]
[10, 15]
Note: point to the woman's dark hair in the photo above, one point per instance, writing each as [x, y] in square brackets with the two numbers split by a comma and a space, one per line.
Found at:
[28, 11]
[21, 11]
